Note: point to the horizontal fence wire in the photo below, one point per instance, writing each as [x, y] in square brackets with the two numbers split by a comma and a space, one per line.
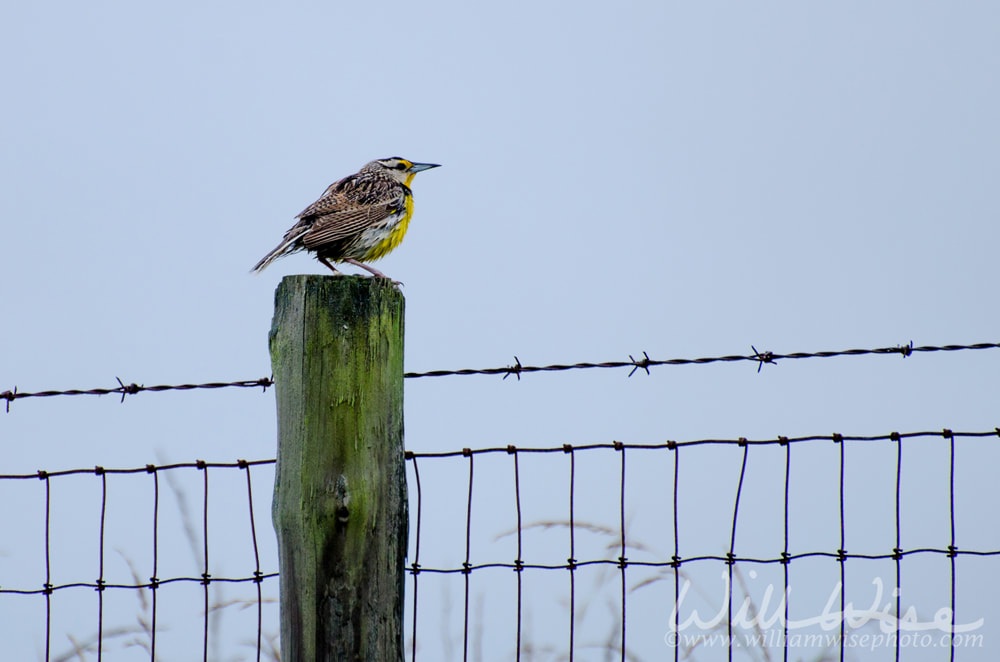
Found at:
[672, 445]
[517, 369]
[149, 468]
[155, 583]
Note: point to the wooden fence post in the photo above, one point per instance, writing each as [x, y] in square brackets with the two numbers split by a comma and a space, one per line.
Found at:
[339, 506]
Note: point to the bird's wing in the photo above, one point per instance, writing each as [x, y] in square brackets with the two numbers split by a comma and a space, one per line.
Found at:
[342, 221]
[347, 208]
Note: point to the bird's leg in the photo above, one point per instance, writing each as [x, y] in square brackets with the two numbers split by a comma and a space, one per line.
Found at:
[372, 270]
[329, 266]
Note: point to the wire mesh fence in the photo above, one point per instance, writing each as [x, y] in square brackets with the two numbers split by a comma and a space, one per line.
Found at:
[97, 636]
[743, 626]
[565, 544]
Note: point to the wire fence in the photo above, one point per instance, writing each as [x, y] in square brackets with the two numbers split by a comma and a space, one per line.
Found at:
[622, 554]
[628, 458]
[676, 561]
[155, 583]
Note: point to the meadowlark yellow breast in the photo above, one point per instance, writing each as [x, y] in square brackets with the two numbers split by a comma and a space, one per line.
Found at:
[358, 219]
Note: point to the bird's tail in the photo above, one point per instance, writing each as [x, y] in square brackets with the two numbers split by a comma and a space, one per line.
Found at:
[286, 247]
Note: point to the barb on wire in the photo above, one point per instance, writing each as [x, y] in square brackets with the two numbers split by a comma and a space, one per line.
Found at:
[762, 358]
[514, 369]
[645, 363]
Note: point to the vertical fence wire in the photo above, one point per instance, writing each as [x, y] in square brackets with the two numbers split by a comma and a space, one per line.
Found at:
[467, 566]
[154, 579]
[205, 577]
[415, 568]
[257, 575]
[897, 552]
[100, 578]
[731, 555]
[951, 546]
[622, 560]
[48, 567]
[842, 552]
[784, 555]
[571, 561]
[676, 558]
[519, 562]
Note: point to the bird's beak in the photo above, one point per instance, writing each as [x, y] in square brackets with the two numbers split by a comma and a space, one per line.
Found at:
[418, 167]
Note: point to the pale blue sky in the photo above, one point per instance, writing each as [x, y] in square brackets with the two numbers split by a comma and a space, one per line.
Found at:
[686, 179]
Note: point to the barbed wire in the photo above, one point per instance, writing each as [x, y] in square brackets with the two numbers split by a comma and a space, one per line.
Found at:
[517, 369]
[645, 363]
[130, 389]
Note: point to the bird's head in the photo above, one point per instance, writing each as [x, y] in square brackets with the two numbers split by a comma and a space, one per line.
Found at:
[402, 170]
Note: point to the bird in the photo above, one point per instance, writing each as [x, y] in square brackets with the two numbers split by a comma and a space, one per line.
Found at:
[358, 219]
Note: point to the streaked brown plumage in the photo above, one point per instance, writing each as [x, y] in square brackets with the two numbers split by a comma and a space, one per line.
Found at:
[357, 219]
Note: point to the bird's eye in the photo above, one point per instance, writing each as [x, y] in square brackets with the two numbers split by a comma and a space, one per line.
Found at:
[400, 166]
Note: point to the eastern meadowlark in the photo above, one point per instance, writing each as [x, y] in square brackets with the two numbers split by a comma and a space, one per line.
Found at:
[357, 219]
